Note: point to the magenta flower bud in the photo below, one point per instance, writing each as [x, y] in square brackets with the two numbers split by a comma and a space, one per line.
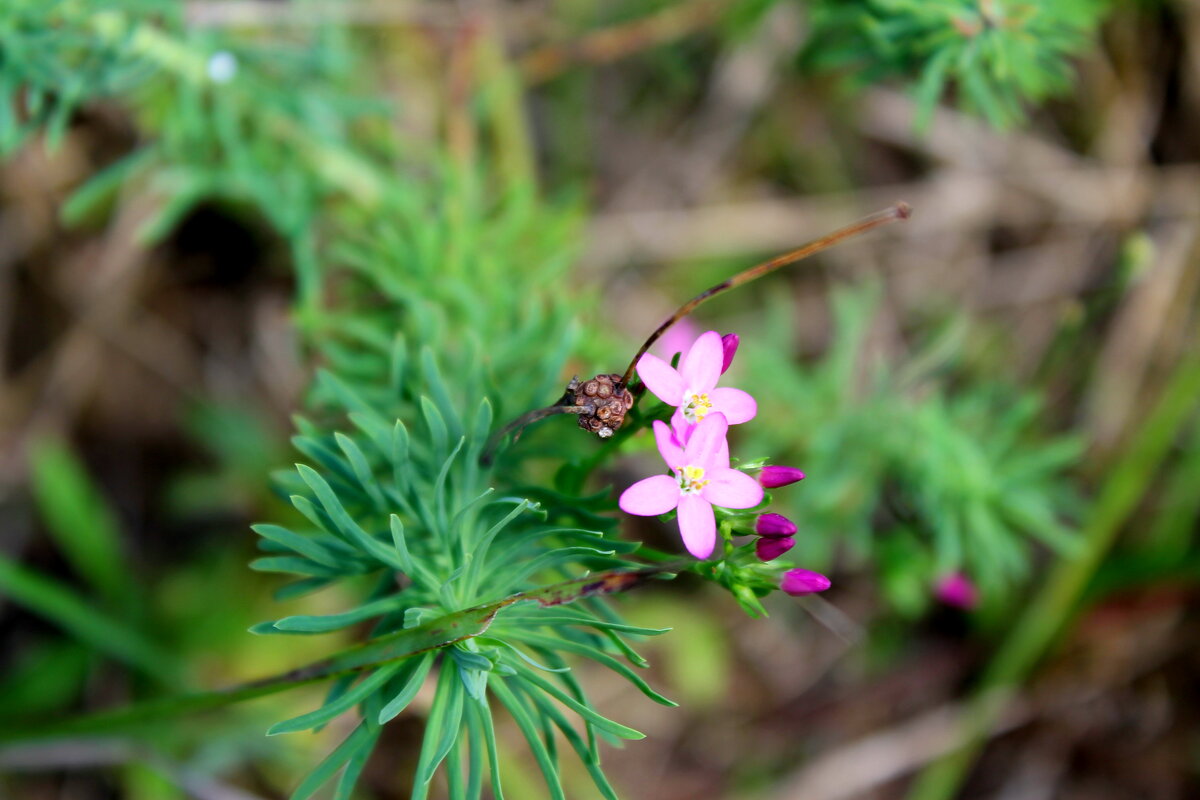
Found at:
[799, 582]
[771, 548]
[729, 346]
[956, 590]
[773, 477]
[772, 524]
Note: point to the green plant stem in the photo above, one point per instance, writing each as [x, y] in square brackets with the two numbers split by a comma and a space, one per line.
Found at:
[1046, 617]
[435, 634]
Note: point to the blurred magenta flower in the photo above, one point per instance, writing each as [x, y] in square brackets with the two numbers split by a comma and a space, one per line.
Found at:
[772, 524]
[691, 388]
[798, 582]
[702, 480]
[729, 346]
[773, 477]
[770, 548]
[957, 590]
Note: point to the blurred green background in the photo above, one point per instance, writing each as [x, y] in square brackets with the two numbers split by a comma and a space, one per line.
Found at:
[1005, 386]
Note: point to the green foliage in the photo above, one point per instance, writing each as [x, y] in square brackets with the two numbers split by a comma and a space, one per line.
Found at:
[432, 295]
[998, 55]
[917, 473]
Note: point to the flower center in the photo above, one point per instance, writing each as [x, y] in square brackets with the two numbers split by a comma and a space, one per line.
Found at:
[696, 406]
[691, 479]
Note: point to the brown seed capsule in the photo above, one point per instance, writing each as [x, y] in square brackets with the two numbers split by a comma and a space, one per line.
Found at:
[602, 407]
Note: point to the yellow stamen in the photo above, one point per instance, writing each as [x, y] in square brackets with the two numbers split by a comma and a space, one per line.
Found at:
[697, 407]
[691, 479]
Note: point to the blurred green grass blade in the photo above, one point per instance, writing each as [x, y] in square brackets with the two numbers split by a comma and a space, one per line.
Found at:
[83, 525]
[44, 678]
[1171, 533]
[83, 620]
[1048, 613]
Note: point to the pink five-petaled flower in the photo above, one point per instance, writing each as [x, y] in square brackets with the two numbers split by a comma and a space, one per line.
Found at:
[692, 388]
[702, 480]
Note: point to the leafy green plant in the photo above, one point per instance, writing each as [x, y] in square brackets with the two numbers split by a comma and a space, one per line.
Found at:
[997, 55]
[433, 301]
[920, 475]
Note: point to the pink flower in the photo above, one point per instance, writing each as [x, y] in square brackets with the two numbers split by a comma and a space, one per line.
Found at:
[702, 480]
[957, 590]
[773, 477]
[798, 582]
[691, 388]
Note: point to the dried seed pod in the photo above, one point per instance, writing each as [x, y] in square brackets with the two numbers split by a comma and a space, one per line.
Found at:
[602, 406]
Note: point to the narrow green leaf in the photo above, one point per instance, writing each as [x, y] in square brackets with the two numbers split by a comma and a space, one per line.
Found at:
[442, 728]
[483, 714]
[551, 643]
[362, 470]
[294, 565]
[331, 622]
[590, 761]
[361, 738]
[436, 384]
[339, 706]
[436, 424]
[529, 728]
[306, 546]
[588, 713]
[347, 526]
[413, 677]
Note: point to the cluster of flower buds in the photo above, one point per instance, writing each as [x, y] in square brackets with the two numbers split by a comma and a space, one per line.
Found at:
[695, 449]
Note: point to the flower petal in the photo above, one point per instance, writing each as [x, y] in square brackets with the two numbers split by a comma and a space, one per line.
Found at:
[661, 379]
[729, 488]
[697, 526]
[669, 446]
[707, 442]
[651, 496]
[736, 405]
[701, 367]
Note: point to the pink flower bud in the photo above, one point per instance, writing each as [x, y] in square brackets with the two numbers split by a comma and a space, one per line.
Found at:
[773, 477]
[798, 582]
[771, 548]
[729, 346]
[771, 524]
[957, 590]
